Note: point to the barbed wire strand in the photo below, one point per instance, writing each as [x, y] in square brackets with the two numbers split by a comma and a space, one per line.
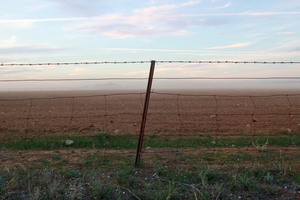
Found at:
[142, 62]
[155, 78]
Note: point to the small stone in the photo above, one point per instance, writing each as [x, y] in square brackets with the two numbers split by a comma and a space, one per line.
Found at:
[69, 142]
[148, 148]
[117, 131]
[212, 116]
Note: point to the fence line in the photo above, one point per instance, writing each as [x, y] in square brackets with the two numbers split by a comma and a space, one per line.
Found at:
[142, 62]
[171, 114]
[158, 93]
[36, 110]
[157, 78]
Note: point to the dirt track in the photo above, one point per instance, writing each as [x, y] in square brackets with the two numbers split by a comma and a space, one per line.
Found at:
[191, 112]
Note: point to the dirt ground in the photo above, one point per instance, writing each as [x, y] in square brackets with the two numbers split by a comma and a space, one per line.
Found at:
[170, 112]
[75, 157]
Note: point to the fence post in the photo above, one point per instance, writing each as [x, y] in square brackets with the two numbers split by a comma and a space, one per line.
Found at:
[146, 105]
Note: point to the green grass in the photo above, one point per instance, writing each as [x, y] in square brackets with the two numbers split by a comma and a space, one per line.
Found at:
[107, 141]
[153, 183]
[213, 173]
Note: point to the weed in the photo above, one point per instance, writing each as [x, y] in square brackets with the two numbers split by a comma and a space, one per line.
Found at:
[269, 178]
[165, 191]
[297, 178]
[282, 165]
[208, 156]
[72, 174]
[101, 191]
[56, 157]
[46, 163]
[123, 174]
[36, 193]
[159, 169]
[260, 147]
[2, 184]
[62, 162]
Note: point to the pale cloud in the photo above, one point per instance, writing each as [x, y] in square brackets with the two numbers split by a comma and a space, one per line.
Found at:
[8, 43]
[29, 23]
[286, 45]
[243, 14]
[183, 70]
[79, 7]
[224, 6]
[148, 12]
[78, 71]
[285, 33]
[17, 24]
[38, 6]
[11, 46]
[155, 50]
[149, 21]
[232, 46]
[4, 71]
[158, 20]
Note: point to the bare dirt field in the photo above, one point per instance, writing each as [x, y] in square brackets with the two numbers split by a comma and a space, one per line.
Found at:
[170, 112]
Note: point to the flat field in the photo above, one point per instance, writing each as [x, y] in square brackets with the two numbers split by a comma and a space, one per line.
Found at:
[170, 112]
[199, 145]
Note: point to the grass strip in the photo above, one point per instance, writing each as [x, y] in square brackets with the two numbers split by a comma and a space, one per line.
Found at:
[103, 140]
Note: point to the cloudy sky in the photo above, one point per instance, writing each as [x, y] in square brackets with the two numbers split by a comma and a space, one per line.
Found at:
[33, 31]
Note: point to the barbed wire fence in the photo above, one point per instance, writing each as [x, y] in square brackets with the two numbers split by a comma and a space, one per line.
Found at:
[173, 115]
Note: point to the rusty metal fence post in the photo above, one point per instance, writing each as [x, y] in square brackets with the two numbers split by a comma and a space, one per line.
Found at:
[144, 119]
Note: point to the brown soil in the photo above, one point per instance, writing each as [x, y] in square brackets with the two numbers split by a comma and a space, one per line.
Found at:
[74, 158]
[229, 113]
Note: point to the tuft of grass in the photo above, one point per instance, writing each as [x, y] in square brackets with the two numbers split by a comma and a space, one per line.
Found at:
[101, 191]
[260, 147]
[2, 184]
[297, 178]
[72, 174]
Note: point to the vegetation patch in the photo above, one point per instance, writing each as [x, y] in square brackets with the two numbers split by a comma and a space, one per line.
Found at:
[108, 141]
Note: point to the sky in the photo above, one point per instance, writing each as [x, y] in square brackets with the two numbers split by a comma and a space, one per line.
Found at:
[41, 31]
